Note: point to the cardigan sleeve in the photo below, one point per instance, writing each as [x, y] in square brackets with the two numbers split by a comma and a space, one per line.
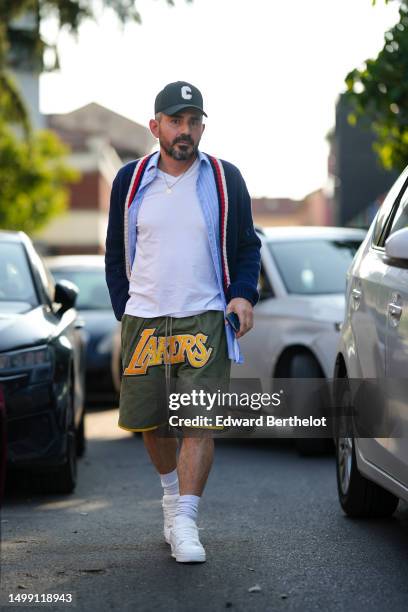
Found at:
[248, 256]
[115, 269]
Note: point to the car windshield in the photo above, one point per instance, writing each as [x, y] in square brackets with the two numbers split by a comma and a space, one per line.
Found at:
[310, 267]
[93, 292]
[17, 289]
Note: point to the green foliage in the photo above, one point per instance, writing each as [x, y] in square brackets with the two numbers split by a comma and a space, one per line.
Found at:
[12, 107]
[379, 92]
[33, 178]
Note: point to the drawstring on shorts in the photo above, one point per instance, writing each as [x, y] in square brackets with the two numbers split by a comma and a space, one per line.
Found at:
[167, 357]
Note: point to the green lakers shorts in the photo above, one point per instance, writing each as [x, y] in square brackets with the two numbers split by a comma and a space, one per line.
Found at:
[162, 354]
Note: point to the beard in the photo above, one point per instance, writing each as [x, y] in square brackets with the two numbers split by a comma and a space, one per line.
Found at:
[181, 149]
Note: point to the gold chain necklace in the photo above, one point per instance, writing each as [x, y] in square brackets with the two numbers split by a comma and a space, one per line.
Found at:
[185, 173]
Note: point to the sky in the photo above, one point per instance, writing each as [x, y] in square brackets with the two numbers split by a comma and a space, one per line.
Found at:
[270, 72]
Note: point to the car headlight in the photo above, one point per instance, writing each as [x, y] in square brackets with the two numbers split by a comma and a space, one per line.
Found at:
[38, 360]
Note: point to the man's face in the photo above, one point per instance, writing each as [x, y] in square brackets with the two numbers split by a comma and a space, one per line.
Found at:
[179, 135]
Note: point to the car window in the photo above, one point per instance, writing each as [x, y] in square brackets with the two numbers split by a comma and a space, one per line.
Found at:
[46, 280]
[311, 267]
[387, 209]
[16, 281]
[50, 283]
[400, 219]
[93, 291]
[264, 286]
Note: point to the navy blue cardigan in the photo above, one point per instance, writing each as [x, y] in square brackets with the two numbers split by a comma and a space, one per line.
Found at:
[240, 245]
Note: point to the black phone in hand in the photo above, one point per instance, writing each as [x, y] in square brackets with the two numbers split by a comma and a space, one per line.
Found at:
[233, 320]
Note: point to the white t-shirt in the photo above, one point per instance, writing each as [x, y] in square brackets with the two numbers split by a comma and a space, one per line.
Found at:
[173, 272]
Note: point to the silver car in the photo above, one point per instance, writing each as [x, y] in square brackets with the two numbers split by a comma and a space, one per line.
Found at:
[372, 472]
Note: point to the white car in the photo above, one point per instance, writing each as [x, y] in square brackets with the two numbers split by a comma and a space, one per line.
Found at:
[372, 472]
[301, 307]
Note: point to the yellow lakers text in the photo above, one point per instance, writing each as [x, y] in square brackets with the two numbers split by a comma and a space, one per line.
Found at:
[154, 350]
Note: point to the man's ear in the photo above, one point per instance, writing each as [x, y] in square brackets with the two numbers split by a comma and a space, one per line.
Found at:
[202, 131]
[154, 127]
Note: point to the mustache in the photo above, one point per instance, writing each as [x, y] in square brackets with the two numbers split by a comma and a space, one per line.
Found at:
[183, 140]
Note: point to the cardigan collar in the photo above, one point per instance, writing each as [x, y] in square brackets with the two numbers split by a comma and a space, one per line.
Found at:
[150, 172]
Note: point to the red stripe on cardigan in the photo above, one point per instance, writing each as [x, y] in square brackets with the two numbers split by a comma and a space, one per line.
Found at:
[138, 178]
[222, 225]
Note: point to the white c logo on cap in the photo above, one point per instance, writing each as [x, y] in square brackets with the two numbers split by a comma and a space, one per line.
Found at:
[186, 92]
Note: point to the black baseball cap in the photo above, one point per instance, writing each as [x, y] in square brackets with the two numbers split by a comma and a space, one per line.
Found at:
[176, 96]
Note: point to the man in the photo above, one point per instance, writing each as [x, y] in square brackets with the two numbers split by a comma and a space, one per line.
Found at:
[181, 254]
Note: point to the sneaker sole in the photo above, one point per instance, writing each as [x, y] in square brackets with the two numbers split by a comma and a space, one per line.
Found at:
[189, 558]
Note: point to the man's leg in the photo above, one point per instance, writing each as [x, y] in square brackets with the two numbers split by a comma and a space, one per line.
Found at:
[194, 464]
[197, 450]
[163, 454]
[162, 451]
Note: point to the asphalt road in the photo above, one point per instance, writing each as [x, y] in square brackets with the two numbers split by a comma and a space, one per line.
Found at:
[269, 519]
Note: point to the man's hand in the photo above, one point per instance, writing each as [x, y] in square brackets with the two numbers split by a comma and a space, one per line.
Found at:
[244, 310]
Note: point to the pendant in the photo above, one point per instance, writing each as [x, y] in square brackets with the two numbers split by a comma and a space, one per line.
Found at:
[168, 190]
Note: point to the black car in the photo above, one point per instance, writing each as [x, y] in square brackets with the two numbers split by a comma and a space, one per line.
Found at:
[3, 445]
[41, 368]
[87, 272]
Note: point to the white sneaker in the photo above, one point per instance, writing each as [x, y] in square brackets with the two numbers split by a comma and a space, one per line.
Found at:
[185, 543]
[169, 504]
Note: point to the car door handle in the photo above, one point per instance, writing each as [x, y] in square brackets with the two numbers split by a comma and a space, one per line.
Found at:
[356, 297]
[394, 310]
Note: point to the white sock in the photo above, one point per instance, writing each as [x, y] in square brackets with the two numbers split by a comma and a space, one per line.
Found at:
[170, 483]
[188, 506]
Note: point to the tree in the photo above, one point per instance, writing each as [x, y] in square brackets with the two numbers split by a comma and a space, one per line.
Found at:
[33, 176]
[379, 91]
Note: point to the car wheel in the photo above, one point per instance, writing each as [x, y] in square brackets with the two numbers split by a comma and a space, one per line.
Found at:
[358, 496]
[81, 437]
[305, 365]
[62, 479]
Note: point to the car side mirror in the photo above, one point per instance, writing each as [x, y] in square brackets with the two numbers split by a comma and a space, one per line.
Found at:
[396, 245]
[66, 294]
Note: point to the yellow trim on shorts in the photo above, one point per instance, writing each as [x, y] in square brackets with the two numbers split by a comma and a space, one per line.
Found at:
[141, 428]
[186, 427]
